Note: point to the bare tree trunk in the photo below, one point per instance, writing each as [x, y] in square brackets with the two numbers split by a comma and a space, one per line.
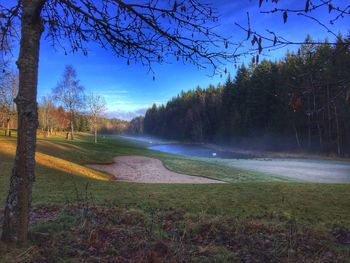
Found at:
[318, 119]
[339, 148]
[95, 134]
[45, 124]
[71, 110]
[16, 216]
[329, 117]
[71, 125]
[297, 136]
[7, 132]
[309, 124]
[320, 134]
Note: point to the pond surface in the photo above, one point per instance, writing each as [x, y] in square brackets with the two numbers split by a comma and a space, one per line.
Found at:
[197, 150]
[304, 170]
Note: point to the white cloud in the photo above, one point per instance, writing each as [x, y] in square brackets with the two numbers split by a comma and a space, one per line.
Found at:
[126, 115]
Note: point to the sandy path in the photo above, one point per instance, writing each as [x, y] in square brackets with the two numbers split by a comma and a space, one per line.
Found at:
[147, 170]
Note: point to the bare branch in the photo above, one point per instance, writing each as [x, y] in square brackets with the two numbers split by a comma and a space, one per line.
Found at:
[272, 41]
[145, 33]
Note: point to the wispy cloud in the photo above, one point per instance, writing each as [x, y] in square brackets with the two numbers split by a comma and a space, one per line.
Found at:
[113, 90]
[126, 115]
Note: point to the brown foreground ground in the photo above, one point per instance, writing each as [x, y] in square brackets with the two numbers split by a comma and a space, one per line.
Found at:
[110, 234]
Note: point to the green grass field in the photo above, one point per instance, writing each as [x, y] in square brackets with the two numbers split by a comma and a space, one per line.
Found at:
[247, 199]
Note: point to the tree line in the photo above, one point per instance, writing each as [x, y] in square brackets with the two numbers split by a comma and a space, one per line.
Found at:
[67, 109]
[299, 102]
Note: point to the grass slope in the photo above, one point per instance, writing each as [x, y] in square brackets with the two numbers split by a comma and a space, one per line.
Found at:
[252, 199]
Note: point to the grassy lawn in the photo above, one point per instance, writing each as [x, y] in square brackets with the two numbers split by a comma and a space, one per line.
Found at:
[274, 206]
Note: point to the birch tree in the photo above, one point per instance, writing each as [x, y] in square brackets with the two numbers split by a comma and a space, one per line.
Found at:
[70, 94]
[47, 114]
[97, 106]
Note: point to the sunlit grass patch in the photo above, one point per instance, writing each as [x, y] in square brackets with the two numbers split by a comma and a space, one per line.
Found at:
[9, 148]
[68, 167]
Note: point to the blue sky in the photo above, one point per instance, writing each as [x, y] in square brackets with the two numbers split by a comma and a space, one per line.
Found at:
[129, 90]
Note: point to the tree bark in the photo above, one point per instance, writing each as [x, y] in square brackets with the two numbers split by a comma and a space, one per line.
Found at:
[16, 216]
[296, 136]
[329, 117]
[7, 132]
[71, 111]
[95, 135]
[339, 146]
[71, 125]
[46, 128]
[309, 124]
[320, 134]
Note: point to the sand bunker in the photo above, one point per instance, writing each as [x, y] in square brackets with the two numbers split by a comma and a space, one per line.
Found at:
[147, 170]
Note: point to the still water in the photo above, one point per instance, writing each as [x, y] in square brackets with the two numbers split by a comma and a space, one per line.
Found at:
[197, 150]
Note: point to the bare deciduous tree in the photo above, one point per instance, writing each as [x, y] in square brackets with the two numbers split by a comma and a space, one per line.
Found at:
[47, 114]
[97, 106]
[8, 92]
[70, 93]
[146, 33]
